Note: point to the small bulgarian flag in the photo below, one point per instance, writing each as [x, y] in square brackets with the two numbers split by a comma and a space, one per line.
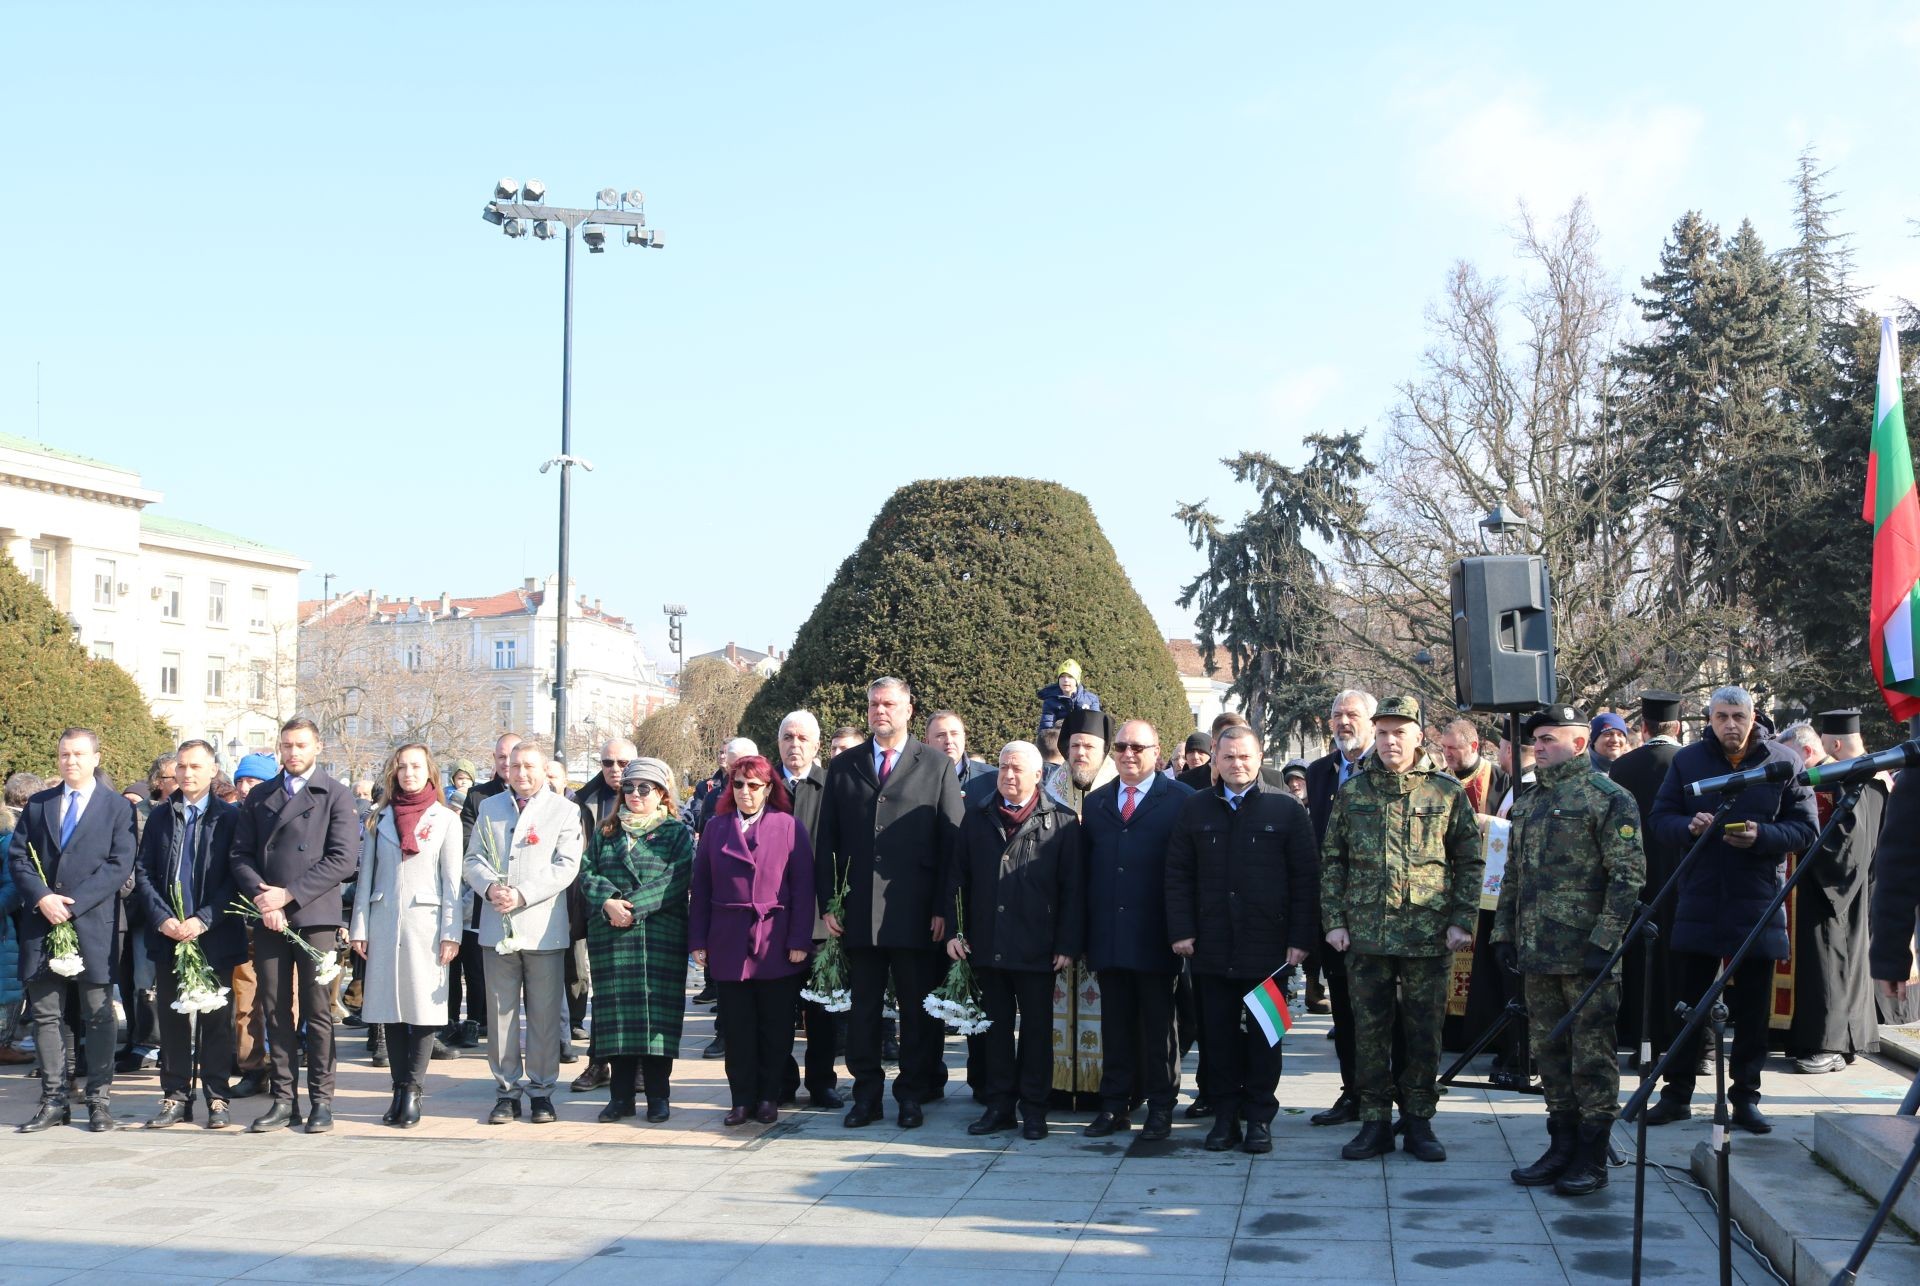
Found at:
[1894, 510]
[1268, 1004]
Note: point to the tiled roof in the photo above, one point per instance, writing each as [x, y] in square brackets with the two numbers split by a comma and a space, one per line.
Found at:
[1187, 660]
[513, 602]
[161, 525]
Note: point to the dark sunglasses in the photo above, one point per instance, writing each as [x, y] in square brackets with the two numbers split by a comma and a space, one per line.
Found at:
[744, 784]
[615, 763]
[1133, 747]
[637, 788]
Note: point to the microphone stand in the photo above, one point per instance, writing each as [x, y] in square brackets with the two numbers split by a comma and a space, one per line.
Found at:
[1709, 1008]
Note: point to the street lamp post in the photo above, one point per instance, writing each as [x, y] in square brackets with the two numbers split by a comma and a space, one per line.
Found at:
[517, 209]
[676, 637]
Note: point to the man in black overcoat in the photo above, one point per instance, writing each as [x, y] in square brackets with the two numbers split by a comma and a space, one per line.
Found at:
[1641, 770]
[889, 823]
[806, 781]
[1350, 724]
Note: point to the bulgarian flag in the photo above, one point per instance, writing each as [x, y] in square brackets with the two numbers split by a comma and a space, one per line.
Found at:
[1894, 510]
[1268, 1003]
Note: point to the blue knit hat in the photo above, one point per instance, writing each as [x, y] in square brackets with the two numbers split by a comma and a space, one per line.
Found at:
[260, 767]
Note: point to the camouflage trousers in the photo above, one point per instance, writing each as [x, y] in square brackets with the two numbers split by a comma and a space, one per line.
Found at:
[1413, 991]
[1581, 1070]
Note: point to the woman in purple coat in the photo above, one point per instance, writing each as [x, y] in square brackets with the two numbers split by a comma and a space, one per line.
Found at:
[751, 927]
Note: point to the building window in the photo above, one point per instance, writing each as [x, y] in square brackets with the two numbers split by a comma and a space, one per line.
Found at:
[257, 608]
[503, 712]
[102, 650]
[171, 588]
[169, 674]
[43, 569]
[414, 656]
[216, 676]
[104, 572]
[216, 602]
[260, 685]
[503, 653]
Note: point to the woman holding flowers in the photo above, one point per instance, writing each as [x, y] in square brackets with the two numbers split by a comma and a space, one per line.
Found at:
[185, 881]
[752, 928]
[638, 866]
[406, 920]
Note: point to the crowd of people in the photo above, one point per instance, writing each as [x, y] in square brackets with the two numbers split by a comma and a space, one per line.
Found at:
[1106, 905]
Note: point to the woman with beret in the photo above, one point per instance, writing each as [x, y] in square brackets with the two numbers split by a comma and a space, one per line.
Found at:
[752, 929]
[638, 866]
[406, 920]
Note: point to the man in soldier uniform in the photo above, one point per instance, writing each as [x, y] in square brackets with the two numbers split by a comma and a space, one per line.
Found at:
[1574, 870]
[1399, 882]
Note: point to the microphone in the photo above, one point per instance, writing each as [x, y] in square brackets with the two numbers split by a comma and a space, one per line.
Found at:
[1727, 783]
[1845, 772]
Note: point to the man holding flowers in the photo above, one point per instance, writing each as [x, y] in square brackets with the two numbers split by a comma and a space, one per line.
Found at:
[185, 881]
[70, 853]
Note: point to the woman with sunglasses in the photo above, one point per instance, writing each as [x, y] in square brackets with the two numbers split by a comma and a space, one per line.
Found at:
[752, 929]
[635, 879]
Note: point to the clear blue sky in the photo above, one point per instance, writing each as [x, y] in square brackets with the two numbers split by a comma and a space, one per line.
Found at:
[1100, 243]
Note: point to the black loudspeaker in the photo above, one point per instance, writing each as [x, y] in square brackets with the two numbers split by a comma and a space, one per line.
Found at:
[1502, 633]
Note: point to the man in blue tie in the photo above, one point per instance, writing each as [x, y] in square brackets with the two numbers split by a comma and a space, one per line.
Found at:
[69, 856]
[186, 850]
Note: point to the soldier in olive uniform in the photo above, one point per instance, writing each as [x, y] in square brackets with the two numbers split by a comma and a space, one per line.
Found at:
[1574, 870]
[1399, 881]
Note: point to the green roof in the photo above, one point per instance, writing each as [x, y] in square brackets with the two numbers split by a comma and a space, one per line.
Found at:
[40, 448]
[161, 525]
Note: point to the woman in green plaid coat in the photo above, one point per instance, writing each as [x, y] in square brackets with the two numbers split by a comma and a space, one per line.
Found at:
[635, 877]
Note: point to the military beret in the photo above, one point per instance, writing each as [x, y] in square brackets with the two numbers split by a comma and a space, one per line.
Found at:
[1398, 708]
[1555, 716]
[1839, 723]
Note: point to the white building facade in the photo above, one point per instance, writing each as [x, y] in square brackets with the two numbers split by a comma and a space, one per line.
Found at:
[203, 620]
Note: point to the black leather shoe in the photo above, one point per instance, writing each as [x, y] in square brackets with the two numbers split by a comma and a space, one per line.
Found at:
[279, 1117]
[392, 1113]
[992, 1121]
[1107, 1123]
[469, 1037]
[1199, 1109]
[597, 1076]
[1342, 1111]
[1159, 1123]
[319, 1119]
[218, 1117]
[376, 1055]
[736, 1115]
[716, 1048]
[1420, 1143]
[911, 1117]
[657, 1110]
[250, 1085]
[48, 1116]
[1034, 1128]
[1750, 1118]
[132, 1063]
[504, 1110]
[172, 1112]
[1669, 1108]
[410, 1109]
[616, 1110]
[1374, 1140]
[540, 1112]
[827, 1099]
[1259, 1139]
[100, 1120]
[441, 1051]
[1225, 1133]
[861, 1114]
[353, 1020]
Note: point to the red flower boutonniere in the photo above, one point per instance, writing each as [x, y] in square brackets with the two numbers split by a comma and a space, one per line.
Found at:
[533, 837]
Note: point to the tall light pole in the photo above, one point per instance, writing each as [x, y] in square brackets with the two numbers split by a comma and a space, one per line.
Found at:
[517, 209]
[676, 638]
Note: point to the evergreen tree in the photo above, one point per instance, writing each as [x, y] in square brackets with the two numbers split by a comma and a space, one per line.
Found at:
[1264, 595]
[973, 590]
[52, 684]
[1819, 263]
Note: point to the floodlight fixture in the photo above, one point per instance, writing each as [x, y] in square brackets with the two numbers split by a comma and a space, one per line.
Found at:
[534, 192]
[507, 190]
[656, 238]
[492, 214]
[514, 227]
[634, 199]
[607, 198]
[636, 236]
[546, 229]
[596, 238]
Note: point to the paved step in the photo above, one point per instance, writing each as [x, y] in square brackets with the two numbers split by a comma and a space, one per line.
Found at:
[1802, 1217]
[1868, 1150]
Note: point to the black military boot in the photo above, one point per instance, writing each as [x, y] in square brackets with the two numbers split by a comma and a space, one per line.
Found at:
[1588, 1172]
[1420, 1143]
[1564, 1127]
[1374, 1140]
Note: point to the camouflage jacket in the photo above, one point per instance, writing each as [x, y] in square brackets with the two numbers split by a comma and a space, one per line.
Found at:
[1574, 868]
[1401, 861]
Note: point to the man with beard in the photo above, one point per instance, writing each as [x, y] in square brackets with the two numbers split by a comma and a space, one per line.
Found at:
[1086, 737]
[1641, 770]
[1350, 724]
[1724, 891]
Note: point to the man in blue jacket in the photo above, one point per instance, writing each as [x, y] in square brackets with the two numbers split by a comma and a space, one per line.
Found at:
[1126, 826]
[1725, 890]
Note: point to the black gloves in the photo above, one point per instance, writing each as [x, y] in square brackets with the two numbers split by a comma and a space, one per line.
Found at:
[1507, 956]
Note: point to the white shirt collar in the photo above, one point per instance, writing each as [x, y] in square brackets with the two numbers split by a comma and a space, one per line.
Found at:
[200, 803]
[84, 790]
[1238, 795]
[1140, 791]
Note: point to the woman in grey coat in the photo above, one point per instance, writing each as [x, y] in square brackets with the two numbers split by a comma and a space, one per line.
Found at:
[406, 919]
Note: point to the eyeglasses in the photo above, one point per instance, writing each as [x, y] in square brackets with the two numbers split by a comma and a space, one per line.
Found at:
[615, 763]
[637, 788]
[1133, 747]
[749, 785]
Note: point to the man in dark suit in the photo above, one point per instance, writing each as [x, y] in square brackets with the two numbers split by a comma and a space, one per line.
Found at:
[297, 842]
[1126, 825]
[947, 733]
[889, 824]
[806, 782]
[1641, 770]
[468, 978]
[71, 850]
[1242, 899]
[185, 883]
[1350, 724]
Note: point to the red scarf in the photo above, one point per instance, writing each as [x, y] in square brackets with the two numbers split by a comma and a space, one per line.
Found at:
[406, 816]
[1011, 819]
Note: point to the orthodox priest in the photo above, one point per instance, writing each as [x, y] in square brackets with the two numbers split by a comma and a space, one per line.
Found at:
[1086, 739]
[1641, 770]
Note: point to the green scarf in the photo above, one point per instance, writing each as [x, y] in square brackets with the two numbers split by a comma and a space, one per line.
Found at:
[639, 827]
